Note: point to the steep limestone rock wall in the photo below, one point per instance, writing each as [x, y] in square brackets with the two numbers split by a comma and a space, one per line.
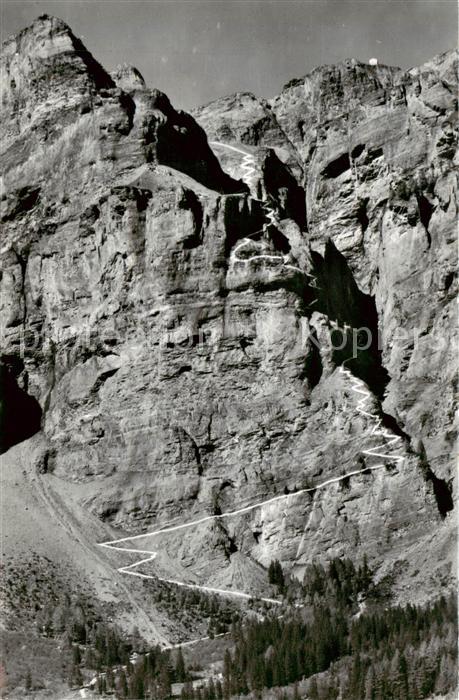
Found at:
[246, 119]
[378, 150]
[180, 374]
[380, 184]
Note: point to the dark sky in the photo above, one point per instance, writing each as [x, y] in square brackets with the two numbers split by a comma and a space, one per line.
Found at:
[197, 50]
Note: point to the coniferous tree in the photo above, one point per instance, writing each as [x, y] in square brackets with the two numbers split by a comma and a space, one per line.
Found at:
[137, 685]
[109, 679]
[227, 675]
[89, 659]
[101, 685]
[122, 685]
[180, 674]
[403, 678]
[276, 575]
[164, 682]
[211, 690]
[76, 655]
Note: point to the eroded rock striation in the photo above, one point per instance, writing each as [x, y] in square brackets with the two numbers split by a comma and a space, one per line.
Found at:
[179, 345]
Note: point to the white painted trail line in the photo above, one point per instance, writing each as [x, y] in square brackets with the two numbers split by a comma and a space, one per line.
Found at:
[358, 387]
[231, 148]
[364, 395]
[249, 177]
[152, 554]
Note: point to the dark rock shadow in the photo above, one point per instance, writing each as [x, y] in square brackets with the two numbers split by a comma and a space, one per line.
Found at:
[20, 414]
[346, 305]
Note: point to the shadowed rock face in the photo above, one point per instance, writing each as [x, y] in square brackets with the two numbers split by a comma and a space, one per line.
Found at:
[177, 338]
[20, 413]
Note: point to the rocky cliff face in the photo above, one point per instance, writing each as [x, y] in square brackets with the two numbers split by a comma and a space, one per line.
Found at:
[179, 295]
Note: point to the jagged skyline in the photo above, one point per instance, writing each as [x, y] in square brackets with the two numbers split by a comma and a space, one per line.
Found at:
[228, 380]
[196, 51]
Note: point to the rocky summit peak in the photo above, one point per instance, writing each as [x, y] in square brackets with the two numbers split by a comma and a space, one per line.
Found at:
[47, 34]
[56, 23]
[349, 69]
[45, 58]
[128, 77]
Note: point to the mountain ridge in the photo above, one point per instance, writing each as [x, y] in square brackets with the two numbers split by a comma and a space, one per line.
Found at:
[175, 373]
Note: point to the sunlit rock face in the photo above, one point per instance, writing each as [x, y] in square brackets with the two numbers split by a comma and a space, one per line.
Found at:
[377, 147]
[178, 340]
[379, 154]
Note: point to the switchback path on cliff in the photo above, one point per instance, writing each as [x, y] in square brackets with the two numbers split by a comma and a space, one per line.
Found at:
[357, 386]
[364, 395]
[152, 554]
[249, 167]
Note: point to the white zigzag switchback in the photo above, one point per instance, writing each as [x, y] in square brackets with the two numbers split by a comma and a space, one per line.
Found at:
[130, 569]
[249, 176]
[357, 386]
[169, 527]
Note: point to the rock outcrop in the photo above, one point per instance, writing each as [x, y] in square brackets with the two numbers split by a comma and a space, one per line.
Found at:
[178, 372]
